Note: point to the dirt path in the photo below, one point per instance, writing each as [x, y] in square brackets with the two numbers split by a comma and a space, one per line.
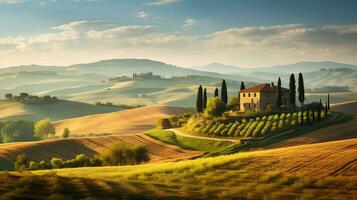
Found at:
[177, 132]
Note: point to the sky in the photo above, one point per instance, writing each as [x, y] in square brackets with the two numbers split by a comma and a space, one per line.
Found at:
[244, 33]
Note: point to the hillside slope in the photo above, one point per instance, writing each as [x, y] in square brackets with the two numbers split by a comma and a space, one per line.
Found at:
[62, 109]
[315, 171]
[122, 122]
[339, 131]
[69, 148]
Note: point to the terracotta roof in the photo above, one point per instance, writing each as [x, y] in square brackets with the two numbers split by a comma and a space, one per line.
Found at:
[265, 87]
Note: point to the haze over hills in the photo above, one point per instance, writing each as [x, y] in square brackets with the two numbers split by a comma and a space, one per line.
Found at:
[89, 82]
[277, 69]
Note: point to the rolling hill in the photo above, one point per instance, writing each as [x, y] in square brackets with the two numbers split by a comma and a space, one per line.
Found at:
[314, 171]
[62, 109]
[69, 148]
[130, 121]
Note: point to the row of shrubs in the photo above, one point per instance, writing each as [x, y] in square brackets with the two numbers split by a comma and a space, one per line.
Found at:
[255, 127]
[117, 154]
[125, 106]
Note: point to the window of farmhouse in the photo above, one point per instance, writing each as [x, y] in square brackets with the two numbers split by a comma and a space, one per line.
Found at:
[248, 94]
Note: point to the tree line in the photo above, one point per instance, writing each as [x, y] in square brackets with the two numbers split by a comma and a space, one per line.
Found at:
[116, 154]
[31, 99]
[202, 99]
[27, 130]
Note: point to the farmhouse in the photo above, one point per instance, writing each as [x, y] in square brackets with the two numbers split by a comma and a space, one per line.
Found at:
[261, 97]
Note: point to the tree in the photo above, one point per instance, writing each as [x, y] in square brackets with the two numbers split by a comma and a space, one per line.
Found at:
[292, 90]
[224, 94]
[279, 94]
[44, 128]
[233, 103]
[8, 96]
[204, 99]
[199, 100]
[21, 162]
[326, 109]
[215, 107]
[216, 92]
[319, 109]
[242, 86]
[301, 89]
[66, 132]
[328, 102]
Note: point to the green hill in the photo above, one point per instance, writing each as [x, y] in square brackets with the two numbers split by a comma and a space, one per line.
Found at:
[62, 109]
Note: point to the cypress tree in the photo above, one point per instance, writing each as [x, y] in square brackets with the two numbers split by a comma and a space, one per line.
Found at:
[279, 95]
[199, 100]
[328, 101]
[242, 86]
[319, 110]
[301, 89]
[292, 90]
[216, 92]
[224, 95]
[326, 109]
[204, 99]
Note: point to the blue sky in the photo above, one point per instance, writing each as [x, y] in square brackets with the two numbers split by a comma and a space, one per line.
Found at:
[245, 33]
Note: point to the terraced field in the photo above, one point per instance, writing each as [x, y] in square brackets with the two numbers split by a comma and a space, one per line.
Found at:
[130, 121]
[69, 148]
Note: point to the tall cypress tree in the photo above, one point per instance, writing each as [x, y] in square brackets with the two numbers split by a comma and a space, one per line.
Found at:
[224, 95]
[204, 99]
[328, 101]
[292, 90]
[199, 100]
[301, 89]
[279, 95]
[216, 92]
[319, 110]
[242, 86]
[326, 109]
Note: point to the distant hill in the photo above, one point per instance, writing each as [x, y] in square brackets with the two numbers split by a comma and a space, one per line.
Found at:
[277, 69]
[305, 67]
[62, 109]
[219, 68]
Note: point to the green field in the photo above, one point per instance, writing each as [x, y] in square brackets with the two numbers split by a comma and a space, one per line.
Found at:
[206, 145]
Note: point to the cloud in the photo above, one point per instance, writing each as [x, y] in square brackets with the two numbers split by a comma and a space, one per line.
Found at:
[189, 23]
[244, 46]
[12, 1]
[163, 2]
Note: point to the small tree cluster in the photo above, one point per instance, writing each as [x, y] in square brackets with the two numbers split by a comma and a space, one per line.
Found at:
[31, 99]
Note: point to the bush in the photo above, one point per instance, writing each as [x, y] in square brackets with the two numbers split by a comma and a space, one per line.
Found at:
[15, 131]
[56, 163]
[119, 154]
[215, 107]
[33, 165]
[66, 132]
[43, 128]
[21, 162]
